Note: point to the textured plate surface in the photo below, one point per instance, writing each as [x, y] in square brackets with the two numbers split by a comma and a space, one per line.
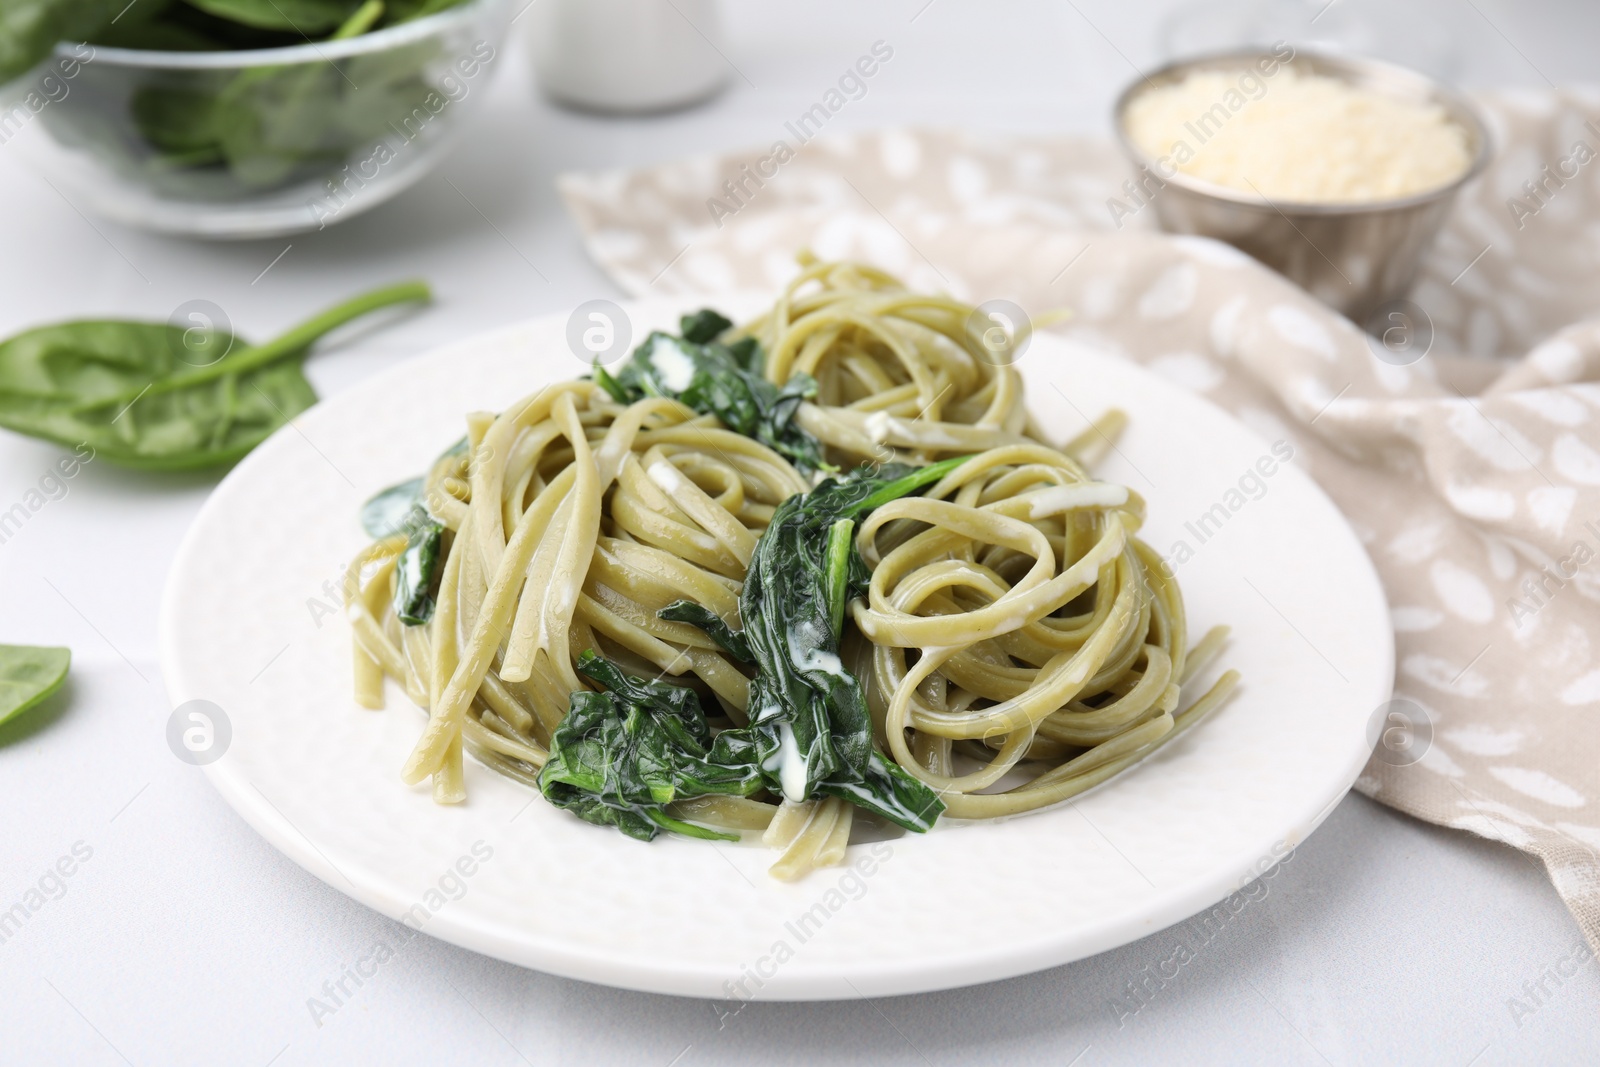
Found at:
[250, 622]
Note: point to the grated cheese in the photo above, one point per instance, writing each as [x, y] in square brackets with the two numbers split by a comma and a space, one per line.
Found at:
[1297, 137]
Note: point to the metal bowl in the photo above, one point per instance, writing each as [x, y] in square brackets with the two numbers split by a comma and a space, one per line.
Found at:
[1356, 257]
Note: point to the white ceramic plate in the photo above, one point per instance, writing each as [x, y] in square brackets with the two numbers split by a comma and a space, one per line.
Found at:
[249, 623]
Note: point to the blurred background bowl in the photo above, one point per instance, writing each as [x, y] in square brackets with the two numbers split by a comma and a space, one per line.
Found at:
[1355, 257]
[259, 142]
[627, 57]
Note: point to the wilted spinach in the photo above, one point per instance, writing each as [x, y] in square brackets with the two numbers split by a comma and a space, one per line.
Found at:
[415, 570]
[724, 380]
[619, 756]
[402, 509]
[804, 705]
[127, 389]
[393, 510]
[731, 640]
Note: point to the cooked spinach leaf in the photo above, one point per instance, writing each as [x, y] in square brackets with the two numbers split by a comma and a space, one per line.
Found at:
[720, 379]
[414, 576]
[392, 511]
[621, 756]
[402, 509]
[731, 640]
[28, 675]
[704, 326]
[809, 719]
[126, 389]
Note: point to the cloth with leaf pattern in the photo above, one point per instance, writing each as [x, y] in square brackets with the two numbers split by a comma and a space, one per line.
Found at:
[1472, 475]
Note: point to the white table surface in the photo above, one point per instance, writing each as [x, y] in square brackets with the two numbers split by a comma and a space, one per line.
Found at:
[185, 938]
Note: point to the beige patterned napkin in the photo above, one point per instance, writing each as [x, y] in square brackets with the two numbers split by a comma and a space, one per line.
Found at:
[1474, 482]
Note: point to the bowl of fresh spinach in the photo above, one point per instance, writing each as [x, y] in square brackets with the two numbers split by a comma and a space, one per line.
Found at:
[240, 118]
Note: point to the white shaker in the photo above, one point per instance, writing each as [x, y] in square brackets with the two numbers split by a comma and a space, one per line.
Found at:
[627, 55]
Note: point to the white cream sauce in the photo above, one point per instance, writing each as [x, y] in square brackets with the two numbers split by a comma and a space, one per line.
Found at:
[675, 368]
[1064, 498]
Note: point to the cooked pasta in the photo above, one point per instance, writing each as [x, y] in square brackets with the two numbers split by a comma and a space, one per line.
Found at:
[983, 633]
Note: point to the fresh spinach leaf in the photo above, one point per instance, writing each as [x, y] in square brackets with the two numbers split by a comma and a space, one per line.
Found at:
[151, 25]
[305, 17]
[125, 388]
[28, 675]
[272, 128]
[407, 10]
[267, 124]
[224, 34]
[155, 37]
[719, 379]
[30, 29]
[621, 756]
[180, 120]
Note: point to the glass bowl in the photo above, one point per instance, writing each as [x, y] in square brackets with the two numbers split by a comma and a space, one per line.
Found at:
[253, 143]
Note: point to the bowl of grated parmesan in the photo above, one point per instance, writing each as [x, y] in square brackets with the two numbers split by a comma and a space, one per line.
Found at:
[1336, 171]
